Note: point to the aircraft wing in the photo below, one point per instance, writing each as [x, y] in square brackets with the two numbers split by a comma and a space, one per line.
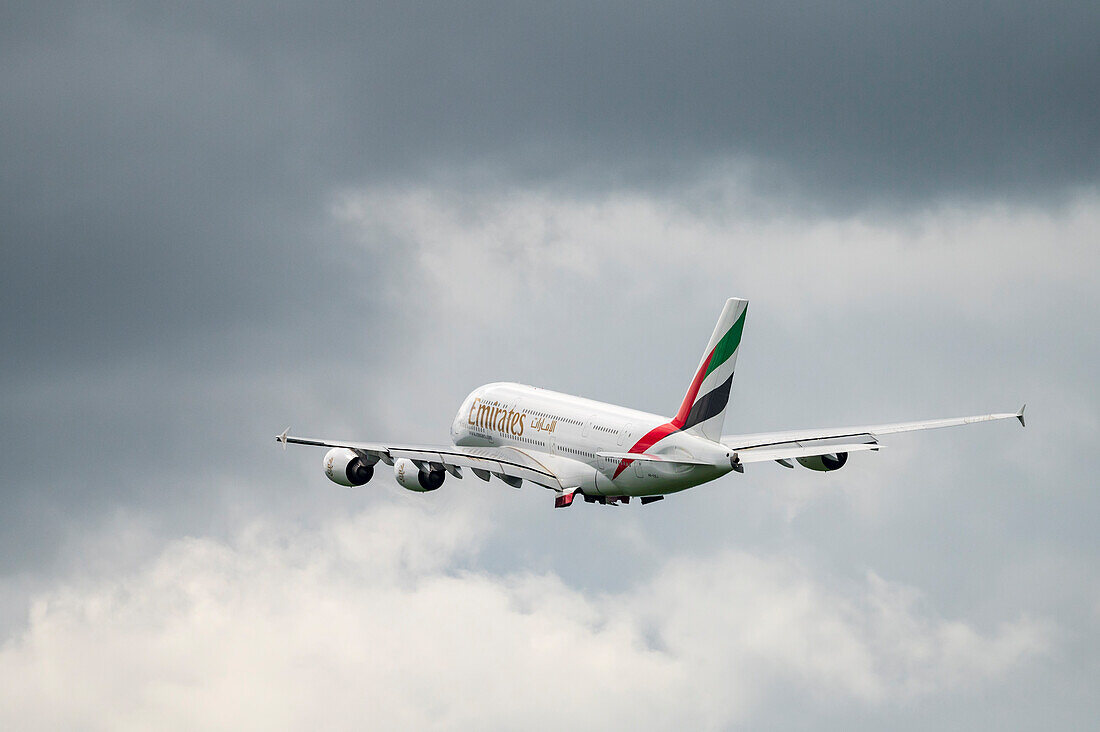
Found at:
[503, 462]
[806, 443]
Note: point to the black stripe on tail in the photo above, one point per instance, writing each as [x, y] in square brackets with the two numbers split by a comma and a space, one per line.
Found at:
[709, 405]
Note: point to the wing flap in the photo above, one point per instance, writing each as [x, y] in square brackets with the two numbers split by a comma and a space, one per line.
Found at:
[500, 461]
[483, 461]
[791, 451]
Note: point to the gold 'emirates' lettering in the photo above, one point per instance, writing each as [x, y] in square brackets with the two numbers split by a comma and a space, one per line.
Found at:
[492, 417]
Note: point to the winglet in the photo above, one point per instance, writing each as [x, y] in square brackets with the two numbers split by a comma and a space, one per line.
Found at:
[1020, 415]
[282, 438]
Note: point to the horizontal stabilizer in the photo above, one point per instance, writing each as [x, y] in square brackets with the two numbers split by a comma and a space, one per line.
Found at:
[648, 457]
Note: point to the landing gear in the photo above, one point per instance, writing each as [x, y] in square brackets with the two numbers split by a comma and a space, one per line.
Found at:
[565, 499]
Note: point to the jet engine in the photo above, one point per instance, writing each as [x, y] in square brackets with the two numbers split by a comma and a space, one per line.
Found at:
[414, 479]
[824, 463]
[343, 466]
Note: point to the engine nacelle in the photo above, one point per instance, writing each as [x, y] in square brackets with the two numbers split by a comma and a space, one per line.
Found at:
[414, 479]
[824, 463]
[343, 466]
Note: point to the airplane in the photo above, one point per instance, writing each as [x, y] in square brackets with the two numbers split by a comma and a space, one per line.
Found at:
[605, 453]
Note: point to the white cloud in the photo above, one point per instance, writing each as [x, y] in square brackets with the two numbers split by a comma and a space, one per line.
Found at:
[383, 620]
[485, 248]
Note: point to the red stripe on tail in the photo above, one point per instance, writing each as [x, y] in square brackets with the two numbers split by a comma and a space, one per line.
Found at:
[693, 392]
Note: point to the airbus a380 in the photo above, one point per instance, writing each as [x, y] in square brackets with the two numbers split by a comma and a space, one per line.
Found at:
[605, 453]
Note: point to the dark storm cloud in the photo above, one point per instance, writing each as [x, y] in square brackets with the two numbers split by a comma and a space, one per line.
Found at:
[913, 99]
[163, 167]
[148, 191]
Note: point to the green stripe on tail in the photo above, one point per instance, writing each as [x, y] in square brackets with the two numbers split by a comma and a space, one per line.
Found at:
[729, 343]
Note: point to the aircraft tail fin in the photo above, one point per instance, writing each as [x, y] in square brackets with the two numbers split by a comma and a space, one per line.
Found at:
[704, 407]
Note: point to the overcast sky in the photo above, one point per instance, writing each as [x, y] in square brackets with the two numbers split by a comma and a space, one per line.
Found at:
[219, 220]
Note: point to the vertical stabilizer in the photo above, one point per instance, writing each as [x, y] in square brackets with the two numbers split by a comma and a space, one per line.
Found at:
[704, 408]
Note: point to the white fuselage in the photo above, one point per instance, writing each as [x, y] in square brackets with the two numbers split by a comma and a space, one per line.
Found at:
[565, 433]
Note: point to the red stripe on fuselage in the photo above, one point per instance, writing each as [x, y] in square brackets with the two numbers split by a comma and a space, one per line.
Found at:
[652, 437]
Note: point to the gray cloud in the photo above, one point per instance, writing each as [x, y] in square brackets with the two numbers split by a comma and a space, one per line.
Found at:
[216, 221]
